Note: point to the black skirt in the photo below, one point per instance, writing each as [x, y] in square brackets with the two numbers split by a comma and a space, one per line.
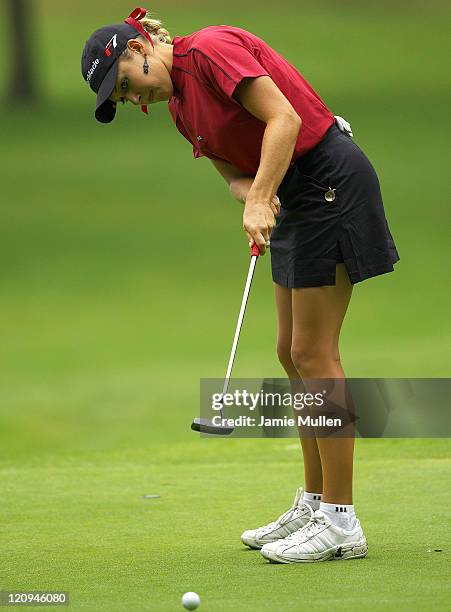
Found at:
[332, 212]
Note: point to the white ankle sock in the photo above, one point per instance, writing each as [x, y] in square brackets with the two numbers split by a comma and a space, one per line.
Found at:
[313, 499]
[340, 515]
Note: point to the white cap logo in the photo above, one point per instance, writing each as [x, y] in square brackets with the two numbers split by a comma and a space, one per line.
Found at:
[91, 71]
[112, 44]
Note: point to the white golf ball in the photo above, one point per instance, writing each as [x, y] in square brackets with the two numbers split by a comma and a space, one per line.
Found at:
[191, 600]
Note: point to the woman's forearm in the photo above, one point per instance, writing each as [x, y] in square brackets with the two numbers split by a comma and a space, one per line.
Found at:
[277, 151]
[240, 187]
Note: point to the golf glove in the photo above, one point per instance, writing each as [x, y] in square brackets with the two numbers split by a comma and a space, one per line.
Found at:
[343, 126]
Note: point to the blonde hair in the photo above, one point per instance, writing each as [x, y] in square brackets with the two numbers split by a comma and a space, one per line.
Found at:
[156, 30]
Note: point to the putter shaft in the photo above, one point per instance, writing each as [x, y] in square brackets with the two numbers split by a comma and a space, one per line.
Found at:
[240, 322]
[205, 425]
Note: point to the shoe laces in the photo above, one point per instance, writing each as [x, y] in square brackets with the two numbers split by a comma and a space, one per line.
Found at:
[316, 521]
[292, 513]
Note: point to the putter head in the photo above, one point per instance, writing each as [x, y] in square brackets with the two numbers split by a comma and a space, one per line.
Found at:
[206, 426]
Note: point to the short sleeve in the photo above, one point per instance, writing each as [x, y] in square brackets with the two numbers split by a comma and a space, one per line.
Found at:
[223, 60]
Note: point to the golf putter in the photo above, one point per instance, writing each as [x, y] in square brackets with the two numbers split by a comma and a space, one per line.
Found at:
[206, 425]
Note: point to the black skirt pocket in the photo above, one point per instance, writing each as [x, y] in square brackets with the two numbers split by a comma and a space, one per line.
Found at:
[307, 184]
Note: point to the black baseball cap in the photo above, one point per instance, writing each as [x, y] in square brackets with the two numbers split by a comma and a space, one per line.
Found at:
[99, 65]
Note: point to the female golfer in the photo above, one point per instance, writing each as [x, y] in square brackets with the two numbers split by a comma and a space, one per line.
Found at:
[283, 155]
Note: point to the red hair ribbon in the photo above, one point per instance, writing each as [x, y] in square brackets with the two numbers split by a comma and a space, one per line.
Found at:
[132, 20]
[138, 13]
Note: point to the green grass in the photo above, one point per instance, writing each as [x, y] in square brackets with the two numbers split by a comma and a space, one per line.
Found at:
[81, 524]
[123, 263]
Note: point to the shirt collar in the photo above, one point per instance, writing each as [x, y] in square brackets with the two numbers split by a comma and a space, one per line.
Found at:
[178, 61]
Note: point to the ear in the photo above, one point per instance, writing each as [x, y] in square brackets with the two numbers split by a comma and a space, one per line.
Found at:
[136, 46]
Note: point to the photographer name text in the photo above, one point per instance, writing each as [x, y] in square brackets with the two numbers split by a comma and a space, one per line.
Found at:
[299, 421]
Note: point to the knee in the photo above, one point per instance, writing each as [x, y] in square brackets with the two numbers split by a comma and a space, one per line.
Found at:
[284, 355]
[311, 358]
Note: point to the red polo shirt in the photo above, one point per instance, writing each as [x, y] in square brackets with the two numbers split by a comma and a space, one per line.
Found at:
[207, 67]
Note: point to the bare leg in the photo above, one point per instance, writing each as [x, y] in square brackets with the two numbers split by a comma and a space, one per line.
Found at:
[318, 314]
[313, 475]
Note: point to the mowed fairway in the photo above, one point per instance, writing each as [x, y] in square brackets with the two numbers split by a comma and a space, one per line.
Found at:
[81, 523]
[123, 264]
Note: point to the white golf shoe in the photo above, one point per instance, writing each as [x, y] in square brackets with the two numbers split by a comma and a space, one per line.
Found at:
[319, 540]
[293, 519]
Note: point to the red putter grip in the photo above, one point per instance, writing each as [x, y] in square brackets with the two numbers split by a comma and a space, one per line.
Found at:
[255, 251]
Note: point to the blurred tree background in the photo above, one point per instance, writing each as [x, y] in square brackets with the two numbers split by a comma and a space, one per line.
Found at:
[123, 258]
[20, 21]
